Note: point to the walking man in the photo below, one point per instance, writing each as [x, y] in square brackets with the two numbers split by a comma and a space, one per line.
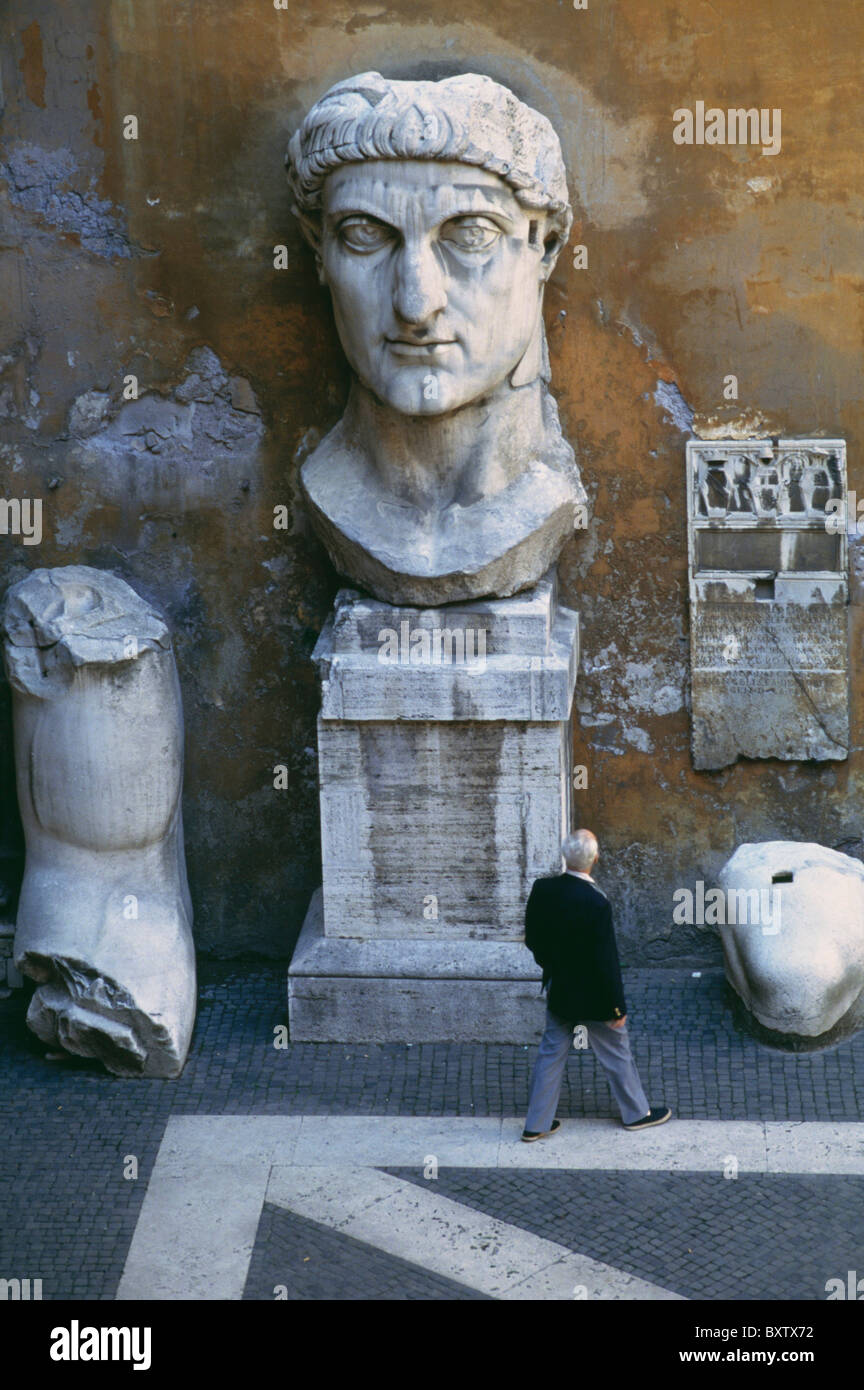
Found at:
[568, 930]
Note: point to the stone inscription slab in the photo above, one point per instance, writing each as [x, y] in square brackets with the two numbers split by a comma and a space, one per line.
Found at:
[768, 600]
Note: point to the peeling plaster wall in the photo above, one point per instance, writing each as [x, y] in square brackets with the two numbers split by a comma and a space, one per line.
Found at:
[155, 258]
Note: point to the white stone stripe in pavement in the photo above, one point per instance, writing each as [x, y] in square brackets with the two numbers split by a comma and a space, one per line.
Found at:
[449, 1238]
[692, 1146]
[196, 1230]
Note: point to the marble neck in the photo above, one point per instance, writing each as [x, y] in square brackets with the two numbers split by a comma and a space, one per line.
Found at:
[435, 461]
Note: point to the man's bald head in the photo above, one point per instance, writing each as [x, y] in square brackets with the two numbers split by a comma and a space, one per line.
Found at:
[580, 851]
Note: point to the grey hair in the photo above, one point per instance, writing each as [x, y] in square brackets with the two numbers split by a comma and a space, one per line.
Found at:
[469, 119]
[579, 850]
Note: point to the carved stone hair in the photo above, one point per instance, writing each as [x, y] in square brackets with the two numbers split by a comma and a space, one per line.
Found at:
[469, 119]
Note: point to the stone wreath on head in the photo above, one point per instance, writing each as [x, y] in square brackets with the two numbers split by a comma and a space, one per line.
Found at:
[469, 119]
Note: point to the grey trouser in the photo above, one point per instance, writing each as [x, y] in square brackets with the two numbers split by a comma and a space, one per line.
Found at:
[612, 1048]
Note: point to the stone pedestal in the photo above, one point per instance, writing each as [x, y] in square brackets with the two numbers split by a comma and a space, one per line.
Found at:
[444, 749]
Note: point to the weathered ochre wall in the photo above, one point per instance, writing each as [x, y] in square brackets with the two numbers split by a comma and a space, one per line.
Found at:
[122, 256]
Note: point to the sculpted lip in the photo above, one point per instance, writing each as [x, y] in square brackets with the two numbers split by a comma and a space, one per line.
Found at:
[411, 344]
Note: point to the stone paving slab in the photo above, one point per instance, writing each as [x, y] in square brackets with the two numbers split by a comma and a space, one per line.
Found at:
[680, 1146]
[195, 1235]
[193, 1144]
[796, 1147]
[371, 1139]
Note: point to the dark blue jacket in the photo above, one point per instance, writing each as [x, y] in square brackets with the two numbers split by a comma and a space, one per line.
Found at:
[568, 930]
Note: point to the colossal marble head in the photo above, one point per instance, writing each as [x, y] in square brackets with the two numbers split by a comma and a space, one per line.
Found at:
[436, 211]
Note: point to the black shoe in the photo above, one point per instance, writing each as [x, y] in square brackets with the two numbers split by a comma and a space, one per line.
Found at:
[529, 1135]
[654, 1117]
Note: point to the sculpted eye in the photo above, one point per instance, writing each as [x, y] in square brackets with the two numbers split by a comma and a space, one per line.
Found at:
[364, 234]
[471, 233]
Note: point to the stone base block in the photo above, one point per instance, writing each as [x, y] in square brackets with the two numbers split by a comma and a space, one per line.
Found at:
[445, 785]
[344, 990]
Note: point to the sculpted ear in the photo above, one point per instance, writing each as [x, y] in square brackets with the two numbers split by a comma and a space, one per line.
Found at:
[552, 248]
[555, 236]
[311, 229]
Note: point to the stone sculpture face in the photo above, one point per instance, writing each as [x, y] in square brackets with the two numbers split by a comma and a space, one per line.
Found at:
[436, 278]
[436, 211]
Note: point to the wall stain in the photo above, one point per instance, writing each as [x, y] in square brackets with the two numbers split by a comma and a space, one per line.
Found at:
[32, 64]
[94, 102]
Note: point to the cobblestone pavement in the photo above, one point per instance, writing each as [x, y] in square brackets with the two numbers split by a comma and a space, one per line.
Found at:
[304, 1260]
[760, 1236]
[66, 1128]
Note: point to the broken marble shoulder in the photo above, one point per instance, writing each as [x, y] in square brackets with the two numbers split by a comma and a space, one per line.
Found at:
[104, 920]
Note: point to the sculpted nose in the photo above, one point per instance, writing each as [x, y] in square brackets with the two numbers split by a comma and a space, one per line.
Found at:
[419, 289]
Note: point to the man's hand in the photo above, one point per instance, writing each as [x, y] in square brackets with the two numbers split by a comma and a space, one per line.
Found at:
[617, 1022]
